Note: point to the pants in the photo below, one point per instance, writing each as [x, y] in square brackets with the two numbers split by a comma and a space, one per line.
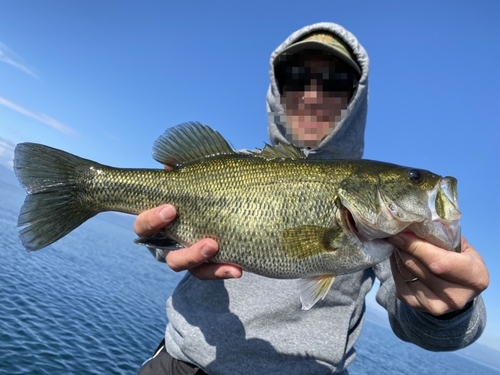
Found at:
[163, 363]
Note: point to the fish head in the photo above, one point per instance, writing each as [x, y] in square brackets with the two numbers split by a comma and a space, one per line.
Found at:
[386, 199]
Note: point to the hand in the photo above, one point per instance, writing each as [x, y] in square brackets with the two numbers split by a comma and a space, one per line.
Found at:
[447, 281]
[193, 258]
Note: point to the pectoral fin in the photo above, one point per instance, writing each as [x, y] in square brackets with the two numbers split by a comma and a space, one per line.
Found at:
[309, 240]
[312, 289]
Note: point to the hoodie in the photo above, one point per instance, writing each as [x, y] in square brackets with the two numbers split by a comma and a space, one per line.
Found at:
[255, 325]
[346, 141]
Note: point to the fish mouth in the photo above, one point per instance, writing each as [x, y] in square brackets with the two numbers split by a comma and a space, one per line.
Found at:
[443, 228]
[440, 225]
[349, 224]
[375, 250]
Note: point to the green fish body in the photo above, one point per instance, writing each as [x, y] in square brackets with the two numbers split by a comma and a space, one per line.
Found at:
[272, 212]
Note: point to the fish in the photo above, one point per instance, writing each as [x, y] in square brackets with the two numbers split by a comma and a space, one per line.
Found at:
[272, 211]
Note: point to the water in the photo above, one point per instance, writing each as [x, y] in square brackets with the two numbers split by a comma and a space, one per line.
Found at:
[91, 304]
[94, 303]
[379, 351]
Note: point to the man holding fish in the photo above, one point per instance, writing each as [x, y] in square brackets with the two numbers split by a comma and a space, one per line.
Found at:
[317, 100]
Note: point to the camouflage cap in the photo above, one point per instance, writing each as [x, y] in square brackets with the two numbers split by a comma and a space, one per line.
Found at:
[326, 42]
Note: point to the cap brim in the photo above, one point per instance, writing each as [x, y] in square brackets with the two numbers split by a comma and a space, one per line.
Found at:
[311, 44]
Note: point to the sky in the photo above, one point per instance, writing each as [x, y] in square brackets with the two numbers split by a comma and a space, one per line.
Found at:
[104, 79]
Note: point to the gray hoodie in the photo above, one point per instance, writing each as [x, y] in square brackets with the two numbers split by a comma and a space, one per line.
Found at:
[255, 325]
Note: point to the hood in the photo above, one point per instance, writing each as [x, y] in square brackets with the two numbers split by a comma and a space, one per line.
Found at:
[346, 141]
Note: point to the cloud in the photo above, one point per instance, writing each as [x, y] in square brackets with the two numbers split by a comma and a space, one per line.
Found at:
[6, 153]
[8, 56]
[42, 117]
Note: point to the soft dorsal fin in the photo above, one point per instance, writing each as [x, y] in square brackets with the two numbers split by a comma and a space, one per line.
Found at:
[189, 142]
[280, 151]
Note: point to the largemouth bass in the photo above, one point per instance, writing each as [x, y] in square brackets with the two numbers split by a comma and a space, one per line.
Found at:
[272, 211]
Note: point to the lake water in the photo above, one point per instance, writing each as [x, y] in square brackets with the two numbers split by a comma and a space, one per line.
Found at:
[94, 303]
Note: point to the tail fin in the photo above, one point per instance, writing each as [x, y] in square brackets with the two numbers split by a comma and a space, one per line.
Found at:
[52, 209]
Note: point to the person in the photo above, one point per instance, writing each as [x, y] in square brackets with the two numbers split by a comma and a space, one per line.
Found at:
[222, 320]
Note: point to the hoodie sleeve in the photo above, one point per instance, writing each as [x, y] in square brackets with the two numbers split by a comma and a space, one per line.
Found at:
[423, 329]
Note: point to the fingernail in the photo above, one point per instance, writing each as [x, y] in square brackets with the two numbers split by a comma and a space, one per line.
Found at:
[208, 250]
[397, 241]
[167, 213]
[229, 275]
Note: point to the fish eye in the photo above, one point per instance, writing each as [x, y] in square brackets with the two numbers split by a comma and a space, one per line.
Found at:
[414, 175]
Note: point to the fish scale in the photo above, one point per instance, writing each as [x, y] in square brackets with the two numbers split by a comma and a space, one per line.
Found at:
[244, 216]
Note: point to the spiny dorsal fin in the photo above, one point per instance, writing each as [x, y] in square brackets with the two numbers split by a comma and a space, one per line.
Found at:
[189, 142]
[280, 151]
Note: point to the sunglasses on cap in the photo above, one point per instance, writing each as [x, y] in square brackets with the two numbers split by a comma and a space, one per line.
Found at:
[297, 78]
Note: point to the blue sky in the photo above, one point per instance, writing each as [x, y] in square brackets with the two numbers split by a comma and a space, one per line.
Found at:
[103, 79]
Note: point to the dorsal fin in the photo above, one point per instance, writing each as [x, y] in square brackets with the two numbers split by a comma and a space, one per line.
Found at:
[280, 151]
[189, 142]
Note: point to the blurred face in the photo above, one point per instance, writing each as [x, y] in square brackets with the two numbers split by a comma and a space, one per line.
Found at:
[315, 95]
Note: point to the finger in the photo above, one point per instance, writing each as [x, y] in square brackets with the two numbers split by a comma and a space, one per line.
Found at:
[195, 260]
[152, 221]
[416, 292]
[410, 265]
[437, 295]
[403, 291]
[188, 258]
[419, 295]
[404, 272]
[213, 271]
[465, 268]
